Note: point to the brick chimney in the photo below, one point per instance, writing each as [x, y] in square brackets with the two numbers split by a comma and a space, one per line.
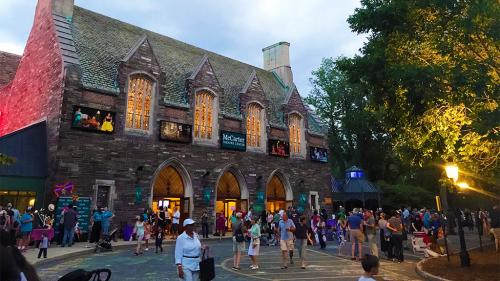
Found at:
[277, 59]
[63, 8]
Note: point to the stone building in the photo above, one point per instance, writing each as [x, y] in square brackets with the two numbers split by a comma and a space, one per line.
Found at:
[134, 118]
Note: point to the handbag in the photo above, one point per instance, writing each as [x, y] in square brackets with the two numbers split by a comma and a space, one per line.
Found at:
[207, 266]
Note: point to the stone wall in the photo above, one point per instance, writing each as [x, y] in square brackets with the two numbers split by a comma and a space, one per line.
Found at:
[36, 91]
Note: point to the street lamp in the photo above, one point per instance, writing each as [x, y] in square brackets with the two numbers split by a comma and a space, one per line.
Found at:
[452, 173]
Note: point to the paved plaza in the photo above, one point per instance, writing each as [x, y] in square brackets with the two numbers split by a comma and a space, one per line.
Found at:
[324, 265]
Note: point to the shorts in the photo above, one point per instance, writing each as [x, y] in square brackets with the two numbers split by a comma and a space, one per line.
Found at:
[140, 238]
[238, 246]
[357, 234]
[175, 227]
[286, 245]
[495, 232]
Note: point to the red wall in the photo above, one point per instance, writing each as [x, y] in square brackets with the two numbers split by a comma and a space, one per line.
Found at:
[36, 91]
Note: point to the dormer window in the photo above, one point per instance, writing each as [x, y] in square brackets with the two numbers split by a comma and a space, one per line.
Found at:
[255, 125]
[297, 136]
[140, 95]
[205, 116]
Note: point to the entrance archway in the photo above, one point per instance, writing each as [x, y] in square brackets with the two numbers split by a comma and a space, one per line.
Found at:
[231, 193]
[279, 194]
[172, 188]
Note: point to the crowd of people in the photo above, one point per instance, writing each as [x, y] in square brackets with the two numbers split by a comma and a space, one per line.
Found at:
[289, 229]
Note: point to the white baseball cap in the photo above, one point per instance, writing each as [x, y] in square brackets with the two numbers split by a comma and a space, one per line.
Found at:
[187, 222]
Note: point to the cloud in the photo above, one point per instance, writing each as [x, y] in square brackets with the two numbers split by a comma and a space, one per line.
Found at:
[235, 28]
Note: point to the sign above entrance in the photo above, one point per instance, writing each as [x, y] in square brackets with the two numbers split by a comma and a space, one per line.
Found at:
[234, 141]
[279, 148]
[319, 154]
[176, 132]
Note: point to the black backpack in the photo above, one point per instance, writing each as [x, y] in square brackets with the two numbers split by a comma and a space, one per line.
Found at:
[239, 235]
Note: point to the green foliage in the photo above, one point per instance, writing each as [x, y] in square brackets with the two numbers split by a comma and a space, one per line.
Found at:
[426, 84]
[356, 136]
[399, 195]
[6, 160]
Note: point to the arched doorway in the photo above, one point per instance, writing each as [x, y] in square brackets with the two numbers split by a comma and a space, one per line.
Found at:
[232, 193]
[172, 189]
[279, 195]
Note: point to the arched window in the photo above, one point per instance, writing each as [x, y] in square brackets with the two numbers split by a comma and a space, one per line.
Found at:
[254, 125]
[203, 120]
[140, 91]
[295, 126]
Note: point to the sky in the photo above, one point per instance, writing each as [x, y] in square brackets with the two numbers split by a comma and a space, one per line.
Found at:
[238, 29]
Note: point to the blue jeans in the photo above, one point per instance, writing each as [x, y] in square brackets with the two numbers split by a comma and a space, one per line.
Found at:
[68, 236]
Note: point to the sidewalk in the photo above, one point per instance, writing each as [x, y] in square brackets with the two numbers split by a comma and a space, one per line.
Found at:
[56, 252]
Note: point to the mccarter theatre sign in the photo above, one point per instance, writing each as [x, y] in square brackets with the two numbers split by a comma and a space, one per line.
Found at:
[234, 141]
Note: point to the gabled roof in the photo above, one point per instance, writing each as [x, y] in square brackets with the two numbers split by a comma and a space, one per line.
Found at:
[9, 63]
[102, 42]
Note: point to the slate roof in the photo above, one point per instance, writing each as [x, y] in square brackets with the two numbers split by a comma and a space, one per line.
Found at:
[8, 63]
[102, 42]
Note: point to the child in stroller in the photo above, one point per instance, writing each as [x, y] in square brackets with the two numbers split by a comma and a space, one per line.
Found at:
[104, 244]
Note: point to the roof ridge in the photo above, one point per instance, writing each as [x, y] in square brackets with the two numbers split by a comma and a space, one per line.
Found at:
[11, 54]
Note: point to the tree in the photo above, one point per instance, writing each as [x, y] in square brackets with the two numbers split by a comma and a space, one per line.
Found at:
[356, 136]
[431, 69]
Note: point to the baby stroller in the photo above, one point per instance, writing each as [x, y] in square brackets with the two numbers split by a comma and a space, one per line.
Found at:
[418, 243]
[105, 243]
[102, 274]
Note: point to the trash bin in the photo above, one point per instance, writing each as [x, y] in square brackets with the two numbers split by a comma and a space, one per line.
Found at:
[127, 232]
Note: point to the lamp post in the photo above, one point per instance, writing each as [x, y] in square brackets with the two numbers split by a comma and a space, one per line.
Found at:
[452, 173]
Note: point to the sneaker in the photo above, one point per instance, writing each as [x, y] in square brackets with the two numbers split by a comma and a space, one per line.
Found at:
[284, 267]
[254, 267]
[235, 268]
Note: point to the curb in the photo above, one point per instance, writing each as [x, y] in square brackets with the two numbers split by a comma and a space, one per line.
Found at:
[426, 275]
[430, 277]
[89, 251]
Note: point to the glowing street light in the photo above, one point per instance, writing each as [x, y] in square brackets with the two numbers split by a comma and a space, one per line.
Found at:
[463, 185]
[451, 171]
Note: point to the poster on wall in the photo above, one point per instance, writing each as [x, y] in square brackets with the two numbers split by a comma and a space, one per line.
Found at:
[175, 132]
[91, 119]
[279, 148]
[319, 154]
[82, 205]
[233, 141]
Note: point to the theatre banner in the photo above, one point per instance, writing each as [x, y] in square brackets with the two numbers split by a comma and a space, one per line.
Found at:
[91, 119]
[319, 154]
[233, 141]
[279, 148]
[175, 132]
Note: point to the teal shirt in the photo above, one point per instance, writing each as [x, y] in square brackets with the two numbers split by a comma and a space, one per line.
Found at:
[97, 216]
[26, 225]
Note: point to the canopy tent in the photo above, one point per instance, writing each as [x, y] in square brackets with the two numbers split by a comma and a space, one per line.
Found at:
[355, 187]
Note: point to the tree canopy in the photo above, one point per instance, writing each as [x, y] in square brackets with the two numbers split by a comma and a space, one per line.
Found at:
[424, 89]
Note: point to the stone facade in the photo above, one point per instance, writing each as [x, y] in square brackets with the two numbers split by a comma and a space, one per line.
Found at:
[88, 158]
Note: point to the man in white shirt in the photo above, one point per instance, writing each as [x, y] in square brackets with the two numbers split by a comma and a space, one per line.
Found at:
[187, 253]
[175, 223]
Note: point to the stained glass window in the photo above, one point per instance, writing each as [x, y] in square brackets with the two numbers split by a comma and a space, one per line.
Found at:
[294, 124]
[203, 115]
[139, 103]
[254, 122]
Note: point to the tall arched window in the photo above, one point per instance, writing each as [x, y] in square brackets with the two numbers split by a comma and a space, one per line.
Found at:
[254, 125]
[295, 126]
[140, 91]
[203, 120]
